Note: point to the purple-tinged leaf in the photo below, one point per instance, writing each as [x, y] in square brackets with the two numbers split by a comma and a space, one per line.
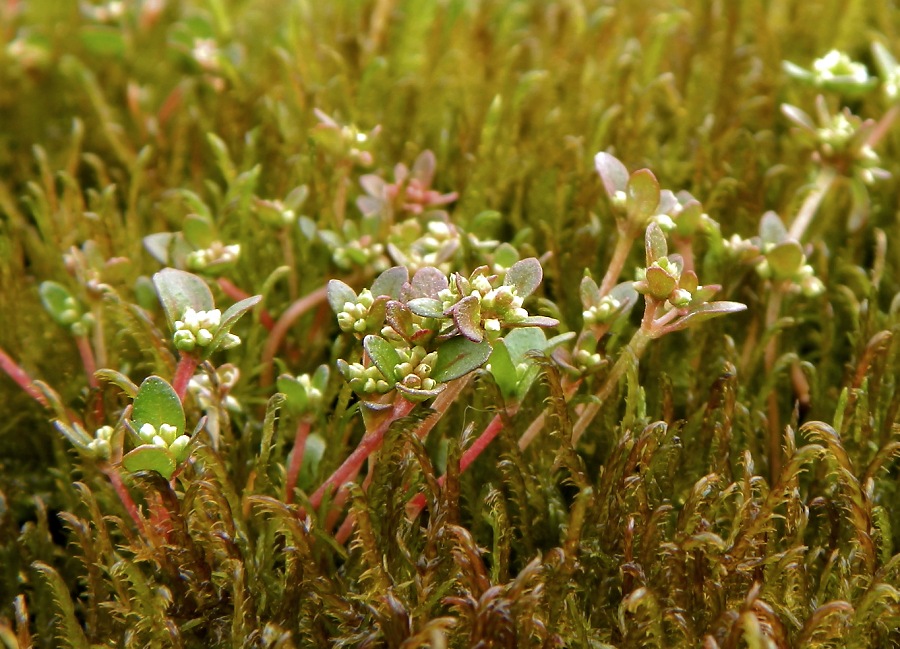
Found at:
[390, 282]
[459, 356]
[705, 312]
[373, 185]
[428, 282]
[642, 196]
[798, 117]
[668, 202]
[537, 321]
[524, 276]
[423, 167]
[467, 317]
[339, 294]
[613, 173]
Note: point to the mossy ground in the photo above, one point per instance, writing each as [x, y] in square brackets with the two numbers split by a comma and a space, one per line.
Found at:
[667, 525]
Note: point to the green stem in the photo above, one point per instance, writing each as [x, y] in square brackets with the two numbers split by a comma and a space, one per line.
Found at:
[773, 311]
[632, 353]
[810, 206]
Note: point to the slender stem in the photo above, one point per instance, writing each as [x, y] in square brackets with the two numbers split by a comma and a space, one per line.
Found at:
[296, 459]
[617, 263]
[808, 210]
[87, 359]
[279, 331]
[187, 364]
[237, 294]
[370, 443]
[124, 496]
[773, 311]
[631, 353]
[21, 377]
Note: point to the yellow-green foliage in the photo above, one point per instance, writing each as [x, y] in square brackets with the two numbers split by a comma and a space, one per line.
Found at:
[737, 487]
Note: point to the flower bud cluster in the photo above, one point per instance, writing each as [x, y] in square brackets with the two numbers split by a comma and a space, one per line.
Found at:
[603, 312]
[837, 65]
[100, 446]
[216, 254]
[352, 317]
[208, 395]
[356, 253]
[415, 369]
[166, 437]
[198, 328]
[366, 380]
[803, 279]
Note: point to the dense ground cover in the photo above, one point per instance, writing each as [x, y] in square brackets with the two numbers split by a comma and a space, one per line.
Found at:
[252, 251]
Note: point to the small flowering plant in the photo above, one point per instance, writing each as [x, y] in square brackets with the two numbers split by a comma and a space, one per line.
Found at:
[836, 72]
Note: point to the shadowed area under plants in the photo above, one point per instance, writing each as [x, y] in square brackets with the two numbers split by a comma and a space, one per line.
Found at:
[492, 324]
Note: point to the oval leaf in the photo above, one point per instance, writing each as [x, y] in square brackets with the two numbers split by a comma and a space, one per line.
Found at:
[467, 316]
[642, 196]
[655, 243]
[785, 259]
[59, 303]
[426, 307]
[524, 276]
[179, 290]
[339, 294]
[428, 282]
[390, 282]
[613, 173]
[148, 457]
[459, 356]
[157, 403]
[383, 355]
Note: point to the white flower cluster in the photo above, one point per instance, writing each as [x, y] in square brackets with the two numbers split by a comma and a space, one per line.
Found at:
[352, 316]
[837, 64]
[166, 437]
[100, 445]
[216, 254]
[366, 380]
[602, 312]
[415, 369]
[198, 328]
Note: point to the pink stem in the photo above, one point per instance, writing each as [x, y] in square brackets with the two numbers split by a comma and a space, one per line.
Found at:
[237, 295]
[22, 378]
[279, 331]
[417, 503]
[183, 373]
[369, 444]
[124, 496]
[87, 359]
[296, 459]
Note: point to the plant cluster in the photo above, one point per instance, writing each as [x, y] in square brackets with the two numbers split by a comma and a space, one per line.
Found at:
[303, 344]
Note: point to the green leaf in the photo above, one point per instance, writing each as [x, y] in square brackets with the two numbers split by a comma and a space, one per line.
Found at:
[525, 276]
[199, 231]
[102, 40]
[459, 356]
[642, 196]
[706, 312]
[234, 313]
[523, 340]
[426, 307]
[223, 158]
[295, 396]
[390, 282]
[660, 282]
[179, 291]
[655, 243]
[798, 117]
[771, 229]
[613, 173]
[503, 369]
[148, 457]
[157, 403]
[339, 294]
[60, 303]
[506, 255]
[418, 395]
[383, 355]
[589, 292]
[118, 379]
[785, 259]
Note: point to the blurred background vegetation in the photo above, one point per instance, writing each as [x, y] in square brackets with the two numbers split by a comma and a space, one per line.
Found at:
[105, 111]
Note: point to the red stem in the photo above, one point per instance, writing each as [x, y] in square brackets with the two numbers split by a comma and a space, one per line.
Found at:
[370, 443]
[279, 331]
[417, 503]
[187, 364]
[87, 359]
[124, 496]
[296, 459]
[22, 378]
[237, 295]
